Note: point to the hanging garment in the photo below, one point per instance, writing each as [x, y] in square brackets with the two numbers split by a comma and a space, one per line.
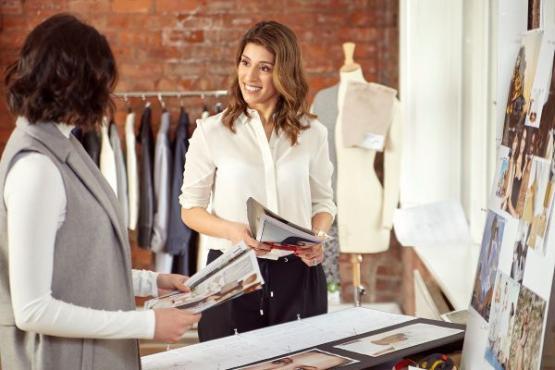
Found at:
[107, 158]
[91, 143]
[161, 174]
[179, 234]
[146, 203]
[162, 183]
[132, 176]
[325, 107]
[219, 108]
[120, 172]
[205, 112]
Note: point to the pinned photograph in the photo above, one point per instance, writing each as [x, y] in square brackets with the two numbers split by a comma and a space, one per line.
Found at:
[517, 175]
[313, 359]
[520, 250]
[515, 111]
[520, 90]
[538, 202]
[527, 331]
[397, 339]
[502, 321]
[487, 264]
[501, 185]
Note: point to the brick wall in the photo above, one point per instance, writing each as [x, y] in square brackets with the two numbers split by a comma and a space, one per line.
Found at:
[184, 45]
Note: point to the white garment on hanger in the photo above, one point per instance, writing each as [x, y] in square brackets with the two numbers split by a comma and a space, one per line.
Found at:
[107, 158]
[132, 175]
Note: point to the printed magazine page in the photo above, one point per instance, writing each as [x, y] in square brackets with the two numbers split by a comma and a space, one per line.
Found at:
[234, 273]
[283, 236]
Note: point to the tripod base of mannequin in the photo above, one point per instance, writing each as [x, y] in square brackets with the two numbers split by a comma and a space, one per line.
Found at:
[358, 292]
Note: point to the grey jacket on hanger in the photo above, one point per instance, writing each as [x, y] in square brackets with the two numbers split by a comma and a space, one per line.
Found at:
[120, 172]
[92, 264]
[325, 106]
[179, 234]
[162, 171]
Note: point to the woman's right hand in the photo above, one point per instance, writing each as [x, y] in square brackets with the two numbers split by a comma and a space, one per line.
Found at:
[172, 323]
[238, 231]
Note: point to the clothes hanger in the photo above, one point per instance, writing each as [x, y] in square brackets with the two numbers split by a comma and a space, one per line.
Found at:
[147, 103]
[204, 105]
[127, 105]
[162, 102]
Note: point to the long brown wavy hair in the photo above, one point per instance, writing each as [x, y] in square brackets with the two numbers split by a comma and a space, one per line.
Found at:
[288, 78]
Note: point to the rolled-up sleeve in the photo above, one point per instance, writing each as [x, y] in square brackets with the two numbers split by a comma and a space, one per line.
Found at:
[198, 173]
[321, 170]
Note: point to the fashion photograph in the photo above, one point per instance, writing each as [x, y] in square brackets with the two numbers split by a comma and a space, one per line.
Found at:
[487, 264]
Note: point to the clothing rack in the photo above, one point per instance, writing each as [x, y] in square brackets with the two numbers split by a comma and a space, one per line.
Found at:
[178, 94]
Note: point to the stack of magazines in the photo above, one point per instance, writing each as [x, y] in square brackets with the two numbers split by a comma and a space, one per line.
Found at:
[282, 235]
[234, 273]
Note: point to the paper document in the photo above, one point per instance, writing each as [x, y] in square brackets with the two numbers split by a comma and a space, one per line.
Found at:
[283, 236]
[234, 273]
[431, 224]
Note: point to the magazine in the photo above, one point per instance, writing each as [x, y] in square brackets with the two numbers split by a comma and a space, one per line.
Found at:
[234, 273]
[283, 236]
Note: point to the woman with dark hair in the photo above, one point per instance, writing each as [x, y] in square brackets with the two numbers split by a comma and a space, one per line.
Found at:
[265, 145]
[66, 284]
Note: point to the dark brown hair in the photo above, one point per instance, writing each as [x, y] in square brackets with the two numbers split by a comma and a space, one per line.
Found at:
[288, 77]
[65, 72]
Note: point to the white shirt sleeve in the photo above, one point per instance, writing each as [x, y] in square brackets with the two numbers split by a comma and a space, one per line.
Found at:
[33, 221]
[144, 283]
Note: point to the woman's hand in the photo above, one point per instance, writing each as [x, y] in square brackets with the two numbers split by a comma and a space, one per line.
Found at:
[311, 256]
[172, 323]
[168, 282]
[238, 231]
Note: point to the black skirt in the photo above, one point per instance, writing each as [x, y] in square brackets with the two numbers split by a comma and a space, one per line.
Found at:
[292, 290]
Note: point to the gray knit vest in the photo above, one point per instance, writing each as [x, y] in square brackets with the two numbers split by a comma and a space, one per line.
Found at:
[92, 264]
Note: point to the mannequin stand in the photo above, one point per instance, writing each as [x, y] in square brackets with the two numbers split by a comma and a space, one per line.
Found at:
[358, 288]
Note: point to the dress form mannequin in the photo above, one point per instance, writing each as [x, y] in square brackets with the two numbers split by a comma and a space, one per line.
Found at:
[365, 208]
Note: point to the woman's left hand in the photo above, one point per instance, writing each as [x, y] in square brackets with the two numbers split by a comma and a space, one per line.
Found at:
[168, 282]
[311, 256]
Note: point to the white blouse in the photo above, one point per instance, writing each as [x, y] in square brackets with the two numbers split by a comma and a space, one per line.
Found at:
[223, 169]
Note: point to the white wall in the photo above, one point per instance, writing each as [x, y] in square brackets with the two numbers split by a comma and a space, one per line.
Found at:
[456, 59]
[430, 87]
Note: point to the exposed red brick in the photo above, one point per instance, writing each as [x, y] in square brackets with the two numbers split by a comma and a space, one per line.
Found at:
[11, 7]
[177, 37]
[89, 6]
[181, 6]
[131, 6]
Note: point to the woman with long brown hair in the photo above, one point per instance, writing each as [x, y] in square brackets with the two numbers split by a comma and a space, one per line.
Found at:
[265, 145]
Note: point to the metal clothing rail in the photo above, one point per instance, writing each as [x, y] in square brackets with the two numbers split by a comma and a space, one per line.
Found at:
[178, 94]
